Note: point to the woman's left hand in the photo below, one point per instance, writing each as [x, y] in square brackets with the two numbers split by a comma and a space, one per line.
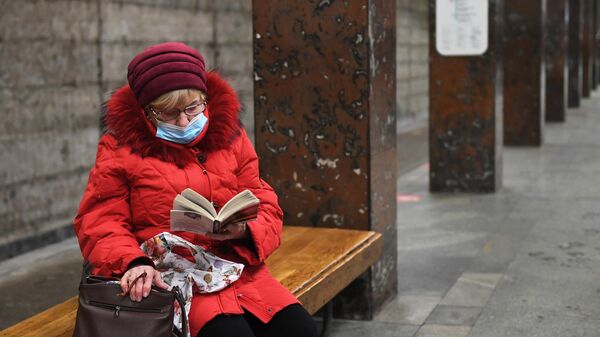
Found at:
[231, 232]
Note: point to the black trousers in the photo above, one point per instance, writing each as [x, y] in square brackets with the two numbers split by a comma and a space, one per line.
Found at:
[292, 321]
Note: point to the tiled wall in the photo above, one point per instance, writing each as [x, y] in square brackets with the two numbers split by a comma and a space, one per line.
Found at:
[412, 54]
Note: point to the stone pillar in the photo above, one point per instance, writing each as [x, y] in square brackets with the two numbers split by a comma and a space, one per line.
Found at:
[597, 40]
[524, 71]
[465, 113]
[587, 46]
[324, 93]
[594, 60]
[575, 54]
[556, 37]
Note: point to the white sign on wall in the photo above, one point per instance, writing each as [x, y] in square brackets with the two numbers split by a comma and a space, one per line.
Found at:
[461, 27]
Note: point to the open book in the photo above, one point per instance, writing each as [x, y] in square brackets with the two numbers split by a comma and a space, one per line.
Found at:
[194, 213]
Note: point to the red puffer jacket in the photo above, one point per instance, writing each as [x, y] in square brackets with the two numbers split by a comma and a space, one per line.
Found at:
[136, 177]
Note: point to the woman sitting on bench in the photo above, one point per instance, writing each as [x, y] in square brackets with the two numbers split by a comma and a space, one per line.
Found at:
[176, 126]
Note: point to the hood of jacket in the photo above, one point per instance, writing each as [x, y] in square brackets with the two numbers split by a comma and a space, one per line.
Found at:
[126, 121]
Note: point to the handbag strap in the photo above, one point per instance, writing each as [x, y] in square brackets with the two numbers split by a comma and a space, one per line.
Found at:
[124, 293]
[184, 318]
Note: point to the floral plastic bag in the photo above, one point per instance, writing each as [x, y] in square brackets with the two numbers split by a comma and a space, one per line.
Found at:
[208, 273]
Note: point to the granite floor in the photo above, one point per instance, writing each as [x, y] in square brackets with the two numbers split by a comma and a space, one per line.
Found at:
[524, 261]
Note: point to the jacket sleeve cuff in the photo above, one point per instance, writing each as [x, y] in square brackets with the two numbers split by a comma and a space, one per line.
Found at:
[140, 261]
[248, 248]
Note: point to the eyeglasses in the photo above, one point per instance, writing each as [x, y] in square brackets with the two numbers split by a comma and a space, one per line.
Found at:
[170, 115]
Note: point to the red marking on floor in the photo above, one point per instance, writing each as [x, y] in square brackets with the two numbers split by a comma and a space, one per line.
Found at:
[407, 198]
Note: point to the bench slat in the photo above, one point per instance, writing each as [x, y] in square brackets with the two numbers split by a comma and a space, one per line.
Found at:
[57, 321]
[315, 264]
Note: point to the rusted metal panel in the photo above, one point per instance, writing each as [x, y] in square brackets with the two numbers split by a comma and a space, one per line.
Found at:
[575, 52]
[465, 113]
[324, 93]
[556, 37]
[524, 71]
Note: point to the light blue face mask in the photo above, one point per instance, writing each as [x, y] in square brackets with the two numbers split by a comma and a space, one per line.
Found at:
[181, 135]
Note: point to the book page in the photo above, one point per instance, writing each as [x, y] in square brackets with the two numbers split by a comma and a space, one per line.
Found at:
[198, 199]
[181, 203]
[242, 201]
[190, 221]
[244, 215]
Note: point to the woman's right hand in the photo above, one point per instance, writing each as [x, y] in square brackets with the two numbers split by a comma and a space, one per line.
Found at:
[142, 286]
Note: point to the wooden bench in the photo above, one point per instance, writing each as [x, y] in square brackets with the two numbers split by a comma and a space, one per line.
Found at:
[315, 264]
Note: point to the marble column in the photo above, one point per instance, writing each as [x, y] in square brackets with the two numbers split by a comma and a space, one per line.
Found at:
[575, 55]
[556, 37]
[586, 47]
[524, 70]
[465, 113]
[597, 42]
[594, 60]
[324, 93]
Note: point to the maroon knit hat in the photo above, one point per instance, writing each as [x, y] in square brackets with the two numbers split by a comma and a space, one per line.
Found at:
[165, 67]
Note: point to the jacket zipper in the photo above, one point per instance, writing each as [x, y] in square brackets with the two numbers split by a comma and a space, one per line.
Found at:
[119, 308]
[210, 191]
[187, 179]
[268, 311]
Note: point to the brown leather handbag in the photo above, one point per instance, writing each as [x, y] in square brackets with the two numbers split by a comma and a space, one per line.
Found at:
[104, 311]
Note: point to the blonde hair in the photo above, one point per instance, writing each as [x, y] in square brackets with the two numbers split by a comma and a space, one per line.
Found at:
[174, 98]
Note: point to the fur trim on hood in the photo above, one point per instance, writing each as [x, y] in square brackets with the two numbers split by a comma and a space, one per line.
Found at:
[125, 119]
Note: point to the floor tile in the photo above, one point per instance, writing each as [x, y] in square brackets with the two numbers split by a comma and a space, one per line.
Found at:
[349, 328]
[454, 315]
[408, 309]
[472, 290]
[443, 331]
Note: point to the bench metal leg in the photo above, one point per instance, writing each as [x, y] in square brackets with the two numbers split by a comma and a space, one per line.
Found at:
[327, 317]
